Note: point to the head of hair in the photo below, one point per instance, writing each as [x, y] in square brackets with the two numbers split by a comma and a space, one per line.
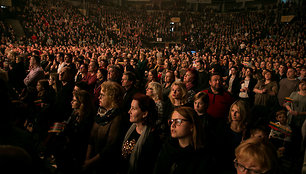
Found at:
[37, 59]
[147, 104]
[103, 73]
[197, 131]
[154, 74]
[257, 151]
[15, 159]
[82, 85]
[194, 72]
[114, 91]
[281, 112]
[131, 76]
[214, 74]
[157, 90]
[86, 103]
[201, 96]
[244, 111]
[183, 91]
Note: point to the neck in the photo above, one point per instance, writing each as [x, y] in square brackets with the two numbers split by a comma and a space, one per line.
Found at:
[177, 102]
[184, 142]
[139, 127]
[302, 92]
[200, 113]
[235, 126]
[214, 91]
[64, 83]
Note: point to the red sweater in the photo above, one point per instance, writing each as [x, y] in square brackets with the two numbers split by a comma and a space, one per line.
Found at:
[219, 104]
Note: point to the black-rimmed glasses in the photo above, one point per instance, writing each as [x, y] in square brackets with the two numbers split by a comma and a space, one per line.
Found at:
[242, 168]
[177, 121]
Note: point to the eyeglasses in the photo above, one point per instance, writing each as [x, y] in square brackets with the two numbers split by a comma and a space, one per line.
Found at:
[242, 168]
[177, 122]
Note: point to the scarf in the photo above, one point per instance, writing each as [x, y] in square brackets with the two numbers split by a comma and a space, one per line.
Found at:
[103, 118]
[133, 162]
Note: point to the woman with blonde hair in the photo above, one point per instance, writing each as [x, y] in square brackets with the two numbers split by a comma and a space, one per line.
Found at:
[109, 128]
[176, 98]
[255, 156]
[178, 94]
[154, 90]
[235, 131]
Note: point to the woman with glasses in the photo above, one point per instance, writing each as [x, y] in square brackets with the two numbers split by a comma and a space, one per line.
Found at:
[186, 150]
[255, 156]
[109, 128]
[141, 143]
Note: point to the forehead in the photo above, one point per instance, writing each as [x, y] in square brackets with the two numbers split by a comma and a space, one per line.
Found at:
[175, 87]
[175, 114]
[215, 77]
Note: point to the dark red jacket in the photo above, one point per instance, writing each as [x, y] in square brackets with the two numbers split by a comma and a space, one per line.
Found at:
[219, 104]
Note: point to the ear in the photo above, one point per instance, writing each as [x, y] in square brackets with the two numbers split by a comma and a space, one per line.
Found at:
[191, 129]
[145, 114]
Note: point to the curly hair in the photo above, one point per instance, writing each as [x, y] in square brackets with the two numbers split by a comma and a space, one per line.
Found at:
[114, 91]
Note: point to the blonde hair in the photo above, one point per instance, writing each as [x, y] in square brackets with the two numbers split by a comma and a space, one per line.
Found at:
[243, 109]
[183, 91]
[114, 91]
[258, 152]
[157, 90]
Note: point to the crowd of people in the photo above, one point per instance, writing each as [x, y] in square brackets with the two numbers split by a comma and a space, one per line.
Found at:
[82, 95]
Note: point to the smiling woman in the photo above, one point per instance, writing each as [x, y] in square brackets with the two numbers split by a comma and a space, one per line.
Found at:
[141, 143]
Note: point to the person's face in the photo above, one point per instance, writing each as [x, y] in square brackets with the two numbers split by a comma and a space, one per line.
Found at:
[150, 76]
[188, 77]
[215, 82]
[39, 87]
[302, 86]
[259, 134]
[51, 81]
[168, 77]
[290, 73]
[282, 119]
[235, 113]
[248, 72]
[62, 75]
[199, 106]
[111, 74]
[180, 127]
[262, 65]
[268, 75]
[75, 104]
[104, 100]
[125, 82]
[136, 115]
[233, 71]
[230, 64]
[99, 75]
[248, 167]
[91, 67]
[149, 91]
[32, 61]
[198, 65]
[176, 92]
